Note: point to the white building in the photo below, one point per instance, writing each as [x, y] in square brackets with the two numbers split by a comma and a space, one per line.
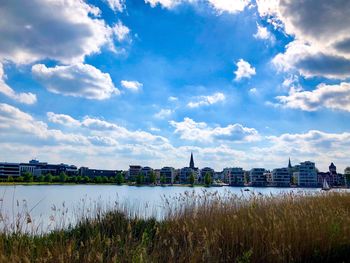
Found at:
[257, 177]
[234, 176]
[307, 174]
[281, 177]
[168, 173]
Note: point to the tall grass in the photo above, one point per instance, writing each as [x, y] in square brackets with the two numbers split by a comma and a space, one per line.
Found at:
[201, 228]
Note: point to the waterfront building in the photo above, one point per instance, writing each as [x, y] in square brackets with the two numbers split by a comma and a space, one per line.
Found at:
[257, 177]
[234, 176]
[307, 174]
[168, 173]
[268, 175]
[9, 169]
[85, 171]
[134, 171]
[146, 173]
[281, 177]
[204, 171]
[185, 174]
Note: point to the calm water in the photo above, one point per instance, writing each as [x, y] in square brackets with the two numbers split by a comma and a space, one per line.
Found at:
[56, 206]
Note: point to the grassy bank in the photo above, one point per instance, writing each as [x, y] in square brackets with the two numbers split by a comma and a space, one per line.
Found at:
[205, 228]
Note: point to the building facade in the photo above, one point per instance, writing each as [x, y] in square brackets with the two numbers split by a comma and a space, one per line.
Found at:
[281, 177]
[134, 171]
[307, 175]
[257, 177]
[168, 175]
[234, 176]
[9, 169]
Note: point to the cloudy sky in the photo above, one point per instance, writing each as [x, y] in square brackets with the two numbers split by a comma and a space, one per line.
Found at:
[108, 83]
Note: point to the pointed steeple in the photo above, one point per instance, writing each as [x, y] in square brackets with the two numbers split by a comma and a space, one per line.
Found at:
[191, 162]
[289, 164]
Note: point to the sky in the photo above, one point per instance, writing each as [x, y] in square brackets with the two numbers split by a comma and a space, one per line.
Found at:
[240, 83]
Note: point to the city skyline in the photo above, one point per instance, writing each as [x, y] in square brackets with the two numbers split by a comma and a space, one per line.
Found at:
[107, 83]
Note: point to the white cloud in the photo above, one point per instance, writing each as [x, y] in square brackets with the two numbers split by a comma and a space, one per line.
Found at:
[263, 33]
[200, 131]
[22, 97]
[163, 113]
[253, 91]
[172, 98]
[336, 97]
[121, 31]
[98, 143]
[321, 29]
[220, 6]
[78, 80]
[116, 5]
[65, 31]
[207, 100]
[244, 70]
[62, 119]
[229, 5]
[14, 122]
[131, 85]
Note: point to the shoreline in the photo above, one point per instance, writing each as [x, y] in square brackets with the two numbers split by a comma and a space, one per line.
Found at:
[155, 185]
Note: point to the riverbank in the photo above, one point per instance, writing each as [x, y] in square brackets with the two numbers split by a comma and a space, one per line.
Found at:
[207, 227]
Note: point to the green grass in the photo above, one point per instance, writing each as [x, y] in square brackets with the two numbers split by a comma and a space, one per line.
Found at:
[202, 228]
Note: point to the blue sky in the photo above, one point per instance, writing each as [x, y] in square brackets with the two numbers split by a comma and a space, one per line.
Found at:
[108, 83]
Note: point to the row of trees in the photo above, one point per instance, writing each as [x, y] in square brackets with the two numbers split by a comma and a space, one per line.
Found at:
[117, 179]
[64, 178]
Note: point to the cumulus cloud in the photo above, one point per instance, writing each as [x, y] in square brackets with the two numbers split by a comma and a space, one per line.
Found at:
[102, 130]
[219, 5]
[14, 122]
[65, 31]
[77, 80]
[163, 113]
[321, 30]
[310, 62]
[62, 119]
[200, 131]
[120, 31]
[116, 5]
[207, 100]
[22, 97]
[336, 97]
[263, 33]
[244, 70]
[132, 85]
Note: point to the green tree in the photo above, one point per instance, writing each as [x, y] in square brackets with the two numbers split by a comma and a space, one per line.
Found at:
[86, 179]
[191, 179]
[19, 179]
[119, 179]
[152, 177]
[27, 177]
[63, 177]
[41, 178]
[162, 179]
[48, 178]
[10, 179]
[207, 179]
[98, 180]
[140, 179]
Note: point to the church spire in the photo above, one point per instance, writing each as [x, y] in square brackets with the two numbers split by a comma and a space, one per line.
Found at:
[191, 162]
[289, 164]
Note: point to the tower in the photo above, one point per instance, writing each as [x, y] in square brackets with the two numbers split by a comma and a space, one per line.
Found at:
[191, 162]
[289, 164]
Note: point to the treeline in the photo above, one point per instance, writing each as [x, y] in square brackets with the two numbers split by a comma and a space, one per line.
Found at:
[119, 179]
[64, 178]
